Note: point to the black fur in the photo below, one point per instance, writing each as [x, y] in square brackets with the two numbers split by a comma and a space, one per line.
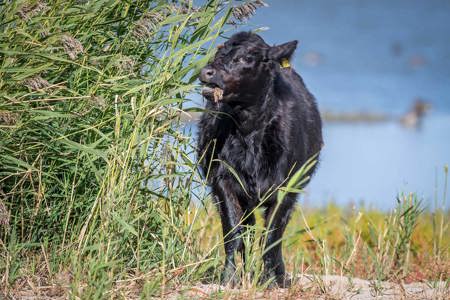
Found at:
[266, 124]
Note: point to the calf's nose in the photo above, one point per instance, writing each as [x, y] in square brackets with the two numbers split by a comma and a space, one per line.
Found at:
[207, 74]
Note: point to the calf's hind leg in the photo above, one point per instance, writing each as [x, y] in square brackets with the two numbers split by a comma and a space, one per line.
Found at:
[276, 219]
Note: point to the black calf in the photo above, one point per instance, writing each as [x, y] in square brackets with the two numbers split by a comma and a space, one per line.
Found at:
[263, 123]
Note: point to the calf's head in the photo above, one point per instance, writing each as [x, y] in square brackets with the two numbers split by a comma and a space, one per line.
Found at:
[243, 68]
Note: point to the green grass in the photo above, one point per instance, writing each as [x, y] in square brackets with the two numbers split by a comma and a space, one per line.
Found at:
[96, 180]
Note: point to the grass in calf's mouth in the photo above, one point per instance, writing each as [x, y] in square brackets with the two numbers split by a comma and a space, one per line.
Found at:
[214, 92]
[218, 94]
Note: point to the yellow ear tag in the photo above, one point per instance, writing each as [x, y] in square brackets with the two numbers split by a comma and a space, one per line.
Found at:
[285, 63]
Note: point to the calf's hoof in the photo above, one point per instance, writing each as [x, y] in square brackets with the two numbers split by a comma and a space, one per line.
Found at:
[283, 281]
[229, 278]
[276, 280]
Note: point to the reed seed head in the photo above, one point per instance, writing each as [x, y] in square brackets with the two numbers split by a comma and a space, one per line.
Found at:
[4, 214]
[8, 118]
[72, 46]
[99, 101]
[126, 63]
[36, 83]
[245, 11]
[148, 24]
[28, 11]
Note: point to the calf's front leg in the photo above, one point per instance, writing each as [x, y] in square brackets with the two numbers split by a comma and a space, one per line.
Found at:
[231, 214]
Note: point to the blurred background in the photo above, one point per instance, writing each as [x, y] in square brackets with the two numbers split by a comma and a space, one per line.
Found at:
[380, 71]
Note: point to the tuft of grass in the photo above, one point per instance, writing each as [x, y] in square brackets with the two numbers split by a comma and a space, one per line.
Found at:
[392, 243]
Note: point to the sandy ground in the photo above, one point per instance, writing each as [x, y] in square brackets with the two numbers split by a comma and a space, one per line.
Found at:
[324, 287]
[307, 287]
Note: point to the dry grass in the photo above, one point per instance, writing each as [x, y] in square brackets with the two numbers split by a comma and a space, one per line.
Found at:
[328, 250]
[354, 243]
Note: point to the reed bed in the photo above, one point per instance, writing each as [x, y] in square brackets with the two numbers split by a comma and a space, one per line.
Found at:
[93, 171]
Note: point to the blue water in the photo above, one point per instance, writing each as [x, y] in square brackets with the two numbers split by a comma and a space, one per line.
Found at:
[373, 56]
[374, 163]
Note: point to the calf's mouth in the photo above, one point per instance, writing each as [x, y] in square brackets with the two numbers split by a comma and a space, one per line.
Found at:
[212, 92]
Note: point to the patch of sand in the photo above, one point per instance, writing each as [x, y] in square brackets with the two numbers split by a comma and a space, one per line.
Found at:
[322, 287]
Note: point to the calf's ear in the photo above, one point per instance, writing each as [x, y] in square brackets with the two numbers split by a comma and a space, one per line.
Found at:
[283, 51]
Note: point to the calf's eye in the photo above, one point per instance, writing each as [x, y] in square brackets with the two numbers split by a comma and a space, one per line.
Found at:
[246, 59]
